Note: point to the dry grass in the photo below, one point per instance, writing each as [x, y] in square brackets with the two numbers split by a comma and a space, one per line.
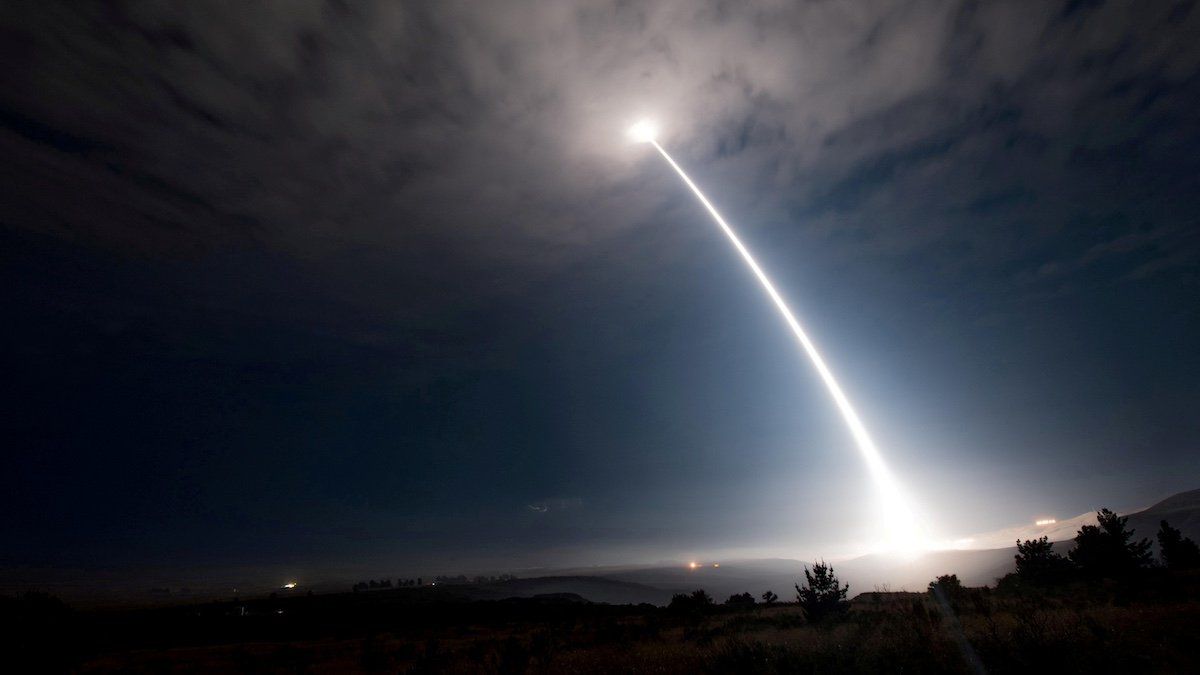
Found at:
[906, 634]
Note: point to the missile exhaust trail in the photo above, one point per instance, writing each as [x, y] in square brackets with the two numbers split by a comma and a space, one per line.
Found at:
[903, 531]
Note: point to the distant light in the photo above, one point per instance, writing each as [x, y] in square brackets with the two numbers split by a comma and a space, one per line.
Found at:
[693, 565]
[290, 584]
[644, 131]
[1045, 521]
[716, 564]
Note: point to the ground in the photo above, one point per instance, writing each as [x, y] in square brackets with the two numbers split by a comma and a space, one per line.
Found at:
[1103, 627]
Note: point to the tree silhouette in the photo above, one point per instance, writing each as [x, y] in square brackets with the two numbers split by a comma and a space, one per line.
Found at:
[947, 584]
[740, 600]
[1178, 551]
[822, 595]
[1105, 549]
[1037, 562]
[769, 597]
[948, 591]
[695, 601]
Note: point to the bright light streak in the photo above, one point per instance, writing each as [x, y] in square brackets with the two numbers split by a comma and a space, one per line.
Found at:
[1045, 521]
[290, 584]
[903, 532]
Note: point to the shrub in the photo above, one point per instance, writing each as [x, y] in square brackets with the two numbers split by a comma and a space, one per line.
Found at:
[822, 595]
[948, 584]
[1178, 552]
[695, 601]
[1038, 564]
[740, 600]
[1105, 549]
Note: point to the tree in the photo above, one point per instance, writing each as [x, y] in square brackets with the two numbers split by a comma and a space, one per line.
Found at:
[696, 601]
[947, 584]
[949, 593]
[1037, 563]
[1105, 549]
[740, 600]
[769, 597]
[1178, 551]
[822, 595]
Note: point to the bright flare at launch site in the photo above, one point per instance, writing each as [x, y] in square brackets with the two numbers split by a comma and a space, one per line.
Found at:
[902, 530]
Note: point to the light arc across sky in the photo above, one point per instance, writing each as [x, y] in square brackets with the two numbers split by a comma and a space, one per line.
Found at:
[903, 530]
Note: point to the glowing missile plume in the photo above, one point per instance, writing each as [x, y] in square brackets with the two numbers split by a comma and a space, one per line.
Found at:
[901, 526]
[643, 131]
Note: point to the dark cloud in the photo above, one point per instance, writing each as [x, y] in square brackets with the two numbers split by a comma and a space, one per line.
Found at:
[496, 132]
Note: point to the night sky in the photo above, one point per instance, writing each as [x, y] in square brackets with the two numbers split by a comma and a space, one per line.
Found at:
[314, 285]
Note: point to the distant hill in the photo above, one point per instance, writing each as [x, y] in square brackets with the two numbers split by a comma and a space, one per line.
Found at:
[866, 573]
[591, 588]
[542, 590]
[879, 572]
[655, 584]
[1182, 511]
[978, 567]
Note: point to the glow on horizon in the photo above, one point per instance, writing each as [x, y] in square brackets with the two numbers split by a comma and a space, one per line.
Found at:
[903, 532]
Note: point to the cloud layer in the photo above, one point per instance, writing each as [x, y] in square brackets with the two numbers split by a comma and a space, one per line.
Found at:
[495, 129]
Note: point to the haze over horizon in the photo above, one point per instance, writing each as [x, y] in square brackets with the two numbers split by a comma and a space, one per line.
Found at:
[318, 285]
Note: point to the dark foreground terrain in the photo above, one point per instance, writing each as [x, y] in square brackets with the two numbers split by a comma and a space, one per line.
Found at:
[1152, 625]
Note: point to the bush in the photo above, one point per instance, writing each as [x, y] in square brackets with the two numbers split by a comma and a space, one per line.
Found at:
[697, 600]
[740, 600]
[1105, 549]
[1178, 552]
[822, 595]
[1038, 564]
[948, 585]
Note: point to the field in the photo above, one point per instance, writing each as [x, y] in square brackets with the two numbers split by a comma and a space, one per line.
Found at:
[1149, 627]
